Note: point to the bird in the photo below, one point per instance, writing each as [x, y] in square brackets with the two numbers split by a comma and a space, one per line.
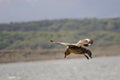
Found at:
[77, 48]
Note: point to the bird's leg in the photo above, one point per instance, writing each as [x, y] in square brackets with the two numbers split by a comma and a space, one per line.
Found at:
[86, 56]
[89, 53]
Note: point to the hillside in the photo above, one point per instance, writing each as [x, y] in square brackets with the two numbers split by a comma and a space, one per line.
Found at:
[36, 34]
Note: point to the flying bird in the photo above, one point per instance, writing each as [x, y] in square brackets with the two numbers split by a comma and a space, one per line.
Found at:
[77, 48]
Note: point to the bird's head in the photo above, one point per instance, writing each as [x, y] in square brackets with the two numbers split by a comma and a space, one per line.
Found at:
[88, 42]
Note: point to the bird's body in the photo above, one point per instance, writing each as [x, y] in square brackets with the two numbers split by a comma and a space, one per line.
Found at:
[78, 48]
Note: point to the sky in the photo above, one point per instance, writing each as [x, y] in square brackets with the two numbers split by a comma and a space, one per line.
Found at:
[34, 10]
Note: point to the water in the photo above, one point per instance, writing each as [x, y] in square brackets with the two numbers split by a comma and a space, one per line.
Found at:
[67, 69]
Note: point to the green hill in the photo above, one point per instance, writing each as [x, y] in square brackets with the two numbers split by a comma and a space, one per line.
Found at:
[36, 34]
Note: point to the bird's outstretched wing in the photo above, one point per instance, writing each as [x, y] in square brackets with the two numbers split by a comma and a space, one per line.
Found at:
[62, 43]
[84, 42]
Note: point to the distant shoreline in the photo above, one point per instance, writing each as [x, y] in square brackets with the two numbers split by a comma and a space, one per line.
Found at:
[8, 56]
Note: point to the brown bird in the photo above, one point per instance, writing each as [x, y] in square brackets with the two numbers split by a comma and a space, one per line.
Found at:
[77, 48]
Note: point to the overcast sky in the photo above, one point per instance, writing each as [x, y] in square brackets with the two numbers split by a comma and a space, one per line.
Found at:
[30, 10]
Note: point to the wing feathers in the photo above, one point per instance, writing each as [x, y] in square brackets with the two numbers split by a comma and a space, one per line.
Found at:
[62, 43]
[84, 42]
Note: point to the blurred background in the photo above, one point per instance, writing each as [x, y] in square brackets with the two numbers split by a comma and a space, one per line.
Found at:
[27, 26]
